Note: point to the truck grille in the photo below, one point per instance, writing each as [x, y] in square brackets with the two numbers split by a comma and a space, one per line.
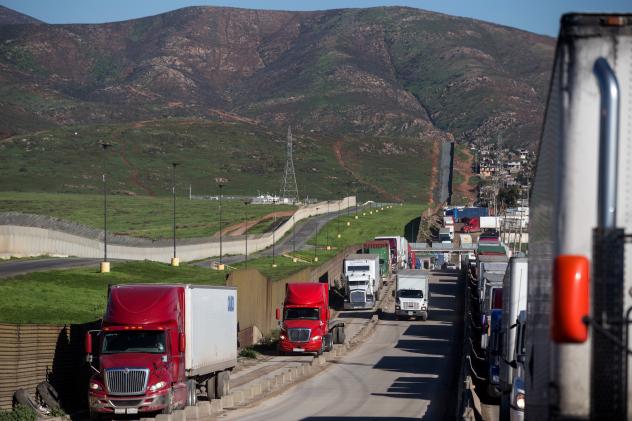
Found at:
[299, 334]
[410, 305]
[126, 381]
[357, 297]
[126, 402]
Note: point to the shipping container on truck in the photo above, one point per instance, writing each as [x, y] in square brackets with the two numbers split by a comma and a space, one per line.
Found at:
[579, 277]
[158, 345]
[361, 274]
[515, 285]
[489, 222]
[305, 320]
[399, 249]
[393, 244]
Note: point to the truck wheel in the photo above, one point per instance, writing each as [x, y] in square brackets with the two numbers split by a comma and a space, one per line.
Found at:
[211, 391]
[23, 397]
[341, 335]
[330, 342]
[223, 384]
[504, 407]
[191, 393]
[424, 316]
[335, 335]
[48, 395]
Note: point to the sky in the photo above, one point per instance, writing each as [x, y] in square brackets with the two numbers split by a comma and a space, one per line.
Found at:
[539, 16]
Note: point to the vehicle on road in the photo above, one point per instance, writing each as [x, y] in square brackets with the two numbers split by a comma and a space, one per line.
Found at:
[382, 249]
[579, 277]
[399, 250]
[305, 320]
[412, 294]
[158, 344]
[515, 285]
[361, 277]
[517, 395]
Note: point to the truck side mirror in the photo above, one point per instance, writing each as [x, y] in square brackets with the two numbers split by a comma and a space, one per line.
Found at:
[278, 314]
[182, 342]
[570, 299]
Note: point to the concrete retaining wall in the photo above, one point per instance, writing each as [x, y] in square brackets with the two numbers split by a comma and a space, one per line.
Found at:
[28, 235]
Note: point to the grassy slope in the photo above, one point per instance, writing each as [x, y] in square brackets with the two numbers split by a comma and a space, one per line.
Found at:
[140, 216]
[251, 157]
[78, 295]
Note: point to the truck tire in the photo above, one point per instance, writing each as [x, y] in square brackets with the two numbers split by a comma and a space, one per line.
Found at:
[341, 335]
[211, 388]
[334, 334]
[329, 344]
[223, 384]
[191, 393]
[504, 407]
[424, 316]
[48, 395]
[23, 397]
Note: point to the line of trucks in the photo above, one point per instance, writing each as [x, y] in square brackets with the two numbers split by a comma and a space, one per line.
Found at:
[555, 329]
[160, 345]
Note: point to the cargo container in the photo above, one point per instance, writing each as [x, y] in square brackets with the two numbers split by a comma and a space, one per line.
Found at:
[382, 249]
[305, 320]
[460, 213]
[158, 344]
[489, 222]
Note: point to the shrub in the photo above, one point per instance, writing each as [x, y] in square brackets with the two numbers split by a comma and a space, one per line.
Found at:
[19, 413]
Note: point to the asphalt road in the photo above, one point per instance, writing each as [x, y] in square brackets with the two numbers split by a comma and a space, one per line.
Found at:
[406, 370]
[19, 267]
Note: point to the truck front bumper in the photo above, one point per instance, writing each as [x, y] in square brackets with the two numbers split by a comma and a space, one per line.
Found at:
[353, 306]
[104, 403]
[411, 313]
[309, 346]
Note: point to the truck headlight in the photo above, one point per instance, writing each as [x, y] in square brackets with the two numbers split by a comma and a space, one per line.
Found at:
[157, 386]
[315, 338]
[396, 307]
[495, 378]
[519, 400]
[95, 386]
[282, 336]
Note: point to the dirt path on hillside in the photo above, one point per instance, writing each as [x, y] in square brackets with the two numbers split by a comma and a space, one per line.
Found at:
[240, 228]
[337, 147]
[134, 174]
[465, 169]
[435, 156]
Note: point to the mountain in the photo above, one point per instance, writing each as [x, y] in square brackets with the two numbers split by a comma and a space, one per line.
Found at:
[393, 71]
[11, 17]
[370, 90]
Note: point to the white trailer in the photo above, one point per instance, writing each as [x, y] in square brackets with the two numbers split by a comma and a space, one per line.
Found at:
[514, 301]
[362, 280]
[412, 294]
[210, 329]
[490, 222]
[580, 201]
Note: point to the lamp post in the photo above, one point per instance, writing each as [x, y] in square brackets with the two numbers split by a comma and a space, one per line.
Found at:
[338, 219]
[220, 184]
[105, 265]
[327, 230]
[174, 260]
[273, 231]
[316, 240]
[246, 203]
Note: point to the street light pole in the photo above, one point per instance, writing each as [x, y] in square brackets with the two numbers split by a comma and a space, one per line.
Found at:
[105, 265]
[316, 240]
[246, 259]
[174, 261]
[273, 231]
[220, 266]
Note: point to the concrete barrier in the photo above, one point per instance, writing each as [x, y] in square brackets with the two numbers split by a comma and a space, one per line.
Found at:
[204, 409]
[216, 406]
[178, 415]
[191, 412]
[163, 417]
[34, 235]
[228, 401]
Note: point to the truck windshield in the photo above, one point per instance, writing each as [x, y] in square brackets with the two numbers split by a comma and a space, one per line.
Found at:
[301, 313]
[358, 268]
[410, 293]
[152, 342]
[357, 283]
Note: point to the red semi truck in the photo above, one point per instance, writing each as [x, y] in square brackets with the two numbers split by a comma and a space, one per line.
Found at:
[305, 322]
[158, 345]
[472, 225]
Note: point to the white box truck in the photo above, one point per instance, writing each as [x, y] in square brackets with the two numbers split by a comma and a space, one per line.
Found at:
[412, 294]
[362, 280]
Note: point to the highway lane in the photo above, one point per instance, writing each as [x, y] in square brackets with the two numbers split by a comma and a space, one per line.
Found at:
[12, 268]
[406, 370]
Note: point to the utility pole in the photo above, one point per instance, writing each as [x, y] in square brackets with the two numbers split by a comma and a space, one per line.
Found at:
[289, 188]
[105, 265]
[174, 261]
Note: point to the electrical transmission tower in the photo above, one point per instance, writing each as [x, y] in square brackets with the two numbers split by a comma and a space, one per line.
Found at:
[289, 189]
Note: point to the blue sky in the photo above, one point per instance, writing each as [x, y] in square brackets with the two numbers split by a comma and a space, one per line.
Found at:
[540, 16]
